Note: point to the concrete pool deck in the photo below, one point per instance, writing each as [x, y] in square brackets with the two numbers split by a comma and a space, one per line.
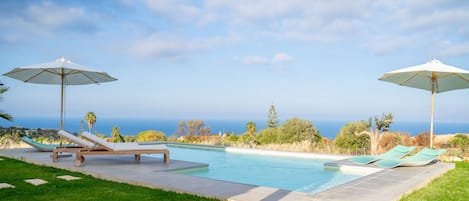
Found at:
[385, 185]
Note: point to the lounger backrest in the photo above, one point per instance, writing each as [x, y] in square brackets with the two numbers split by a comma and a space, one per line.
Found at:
[38, 145]
[98, 140]
[76, 139]
[427, 154]
[398, 151]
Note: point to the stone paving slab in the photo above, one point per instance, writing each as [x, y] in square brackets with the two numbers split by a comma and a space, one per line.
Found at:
[6, 185]
[68, 177]
[384, 185]
[36, 182]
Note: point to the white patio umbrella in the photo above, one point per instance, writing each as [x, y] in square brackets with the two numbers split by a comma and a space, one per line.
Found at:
[432, 76]
[59, 72]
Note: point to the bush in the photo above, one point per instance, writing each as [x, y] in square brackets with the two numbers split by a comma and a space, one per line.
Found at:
[422, 139]
[460, 140]
[268, 136]
[348, 137]
[103, 136]
[116, 135]
[151, 135]
[298, 130]
[233, 138]
[172, 139]
[244, 138]
[129, 138]
[390, 140]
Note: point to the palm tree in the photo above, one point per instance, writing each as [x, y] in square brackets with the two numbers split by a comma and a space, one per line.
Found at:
[90, 117]
[116, 135]
[251, 128]
[4, 115]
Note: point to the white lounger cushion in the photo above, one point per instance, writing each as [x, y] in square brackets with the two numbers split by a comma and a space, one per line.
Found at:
[122, 146]
[76, 139]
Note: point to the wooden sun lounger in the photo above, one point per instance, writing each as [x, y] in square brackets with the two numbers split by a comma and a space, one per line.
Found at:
[80, 145]
[105, 148]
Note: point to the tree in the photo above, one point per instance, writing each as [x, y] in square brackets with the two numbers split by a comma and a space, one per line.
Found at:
[194, 127]
[251, 129]
[151, 135]
[90, 117]
[272, 118]
[116, 135]
[297, 130]
[375, 133]
[204, 131]
[181, 129]
[460, 140]
[4, 115]
[347, 139]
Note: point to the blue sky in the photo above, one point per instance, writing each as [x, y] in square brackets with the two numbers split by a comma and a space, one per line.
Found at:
[317, 60]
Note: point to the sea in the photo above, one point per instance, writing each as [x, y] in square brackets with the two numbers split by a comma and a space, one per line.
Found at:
[132, 126]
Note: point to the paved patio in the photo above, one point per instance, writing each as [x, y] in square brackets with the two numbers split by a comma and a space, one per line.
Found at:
[385, 185]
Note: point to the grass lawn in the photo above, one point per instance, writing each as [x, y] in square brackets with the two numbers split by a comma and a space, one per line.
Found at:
[15, 172]
[453, 185]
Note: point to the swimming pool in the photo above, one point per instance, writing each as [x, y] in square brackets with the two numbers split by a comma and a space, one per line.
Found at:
[289, 173]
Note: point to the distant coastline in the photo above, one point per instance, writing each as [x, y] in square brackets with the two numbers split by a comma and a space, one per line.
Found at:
[131, 126]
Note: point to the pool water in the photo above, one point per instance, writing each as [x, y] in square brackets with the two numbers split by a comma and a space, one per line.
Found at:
[289, 173]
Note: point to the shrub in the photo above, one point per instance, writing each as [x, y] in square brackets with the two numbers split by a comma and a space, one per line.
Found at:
[151, 135]
[348, 137]
[244, 138]
[172, 139]
[100, 135]
[129, 138]
[268, 136]
[116, 135]
[390, 140]
[422, 139]
[297, 130]
[460, 140]
[233, 138]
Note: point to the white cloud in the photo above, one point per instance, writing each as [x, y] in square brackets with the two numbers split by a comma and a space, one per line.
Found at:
[437, 19]
[160, 45]
[43, 19]
[295, 19]
[277, 59]
[50, 16]
[175, 10]
[282, 58]
[255, 60]
[388, 44]
[447, 48]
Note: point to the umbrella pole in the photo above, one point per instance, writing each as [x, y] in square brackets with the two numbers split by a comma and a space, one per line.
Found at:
[431, 123]
[62, 100]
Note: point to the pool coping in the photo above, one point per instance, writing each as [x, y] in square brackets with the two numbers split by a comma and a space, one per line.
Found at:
[385, 184]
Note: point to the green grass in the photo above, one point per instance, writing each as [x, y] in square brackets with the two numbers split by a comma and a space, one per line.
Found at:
[87, 188]
[453, 185]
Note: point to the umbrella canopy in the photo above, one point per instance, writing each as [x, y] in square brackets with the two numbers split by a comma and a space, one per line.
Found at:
[432, 76]
[59, 72]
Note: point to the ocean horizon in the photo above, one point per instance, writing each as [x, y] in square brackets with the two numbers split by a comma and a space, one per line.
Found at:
[132, 126]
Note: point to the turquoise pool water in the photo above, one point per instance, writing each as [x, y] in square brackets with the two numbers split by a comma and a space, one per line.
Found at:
[289, 173]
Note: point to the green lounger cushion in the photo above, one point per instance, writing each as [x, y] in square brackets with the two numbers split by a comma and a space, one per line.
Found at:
[424, 157]
[398, 151]
[40, 146]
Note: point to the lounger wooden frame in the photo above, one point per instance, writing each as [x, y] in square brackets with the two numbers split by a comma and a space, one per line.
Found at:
[102, 149]
[97, 148]
[80, 154]
[68, 149]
